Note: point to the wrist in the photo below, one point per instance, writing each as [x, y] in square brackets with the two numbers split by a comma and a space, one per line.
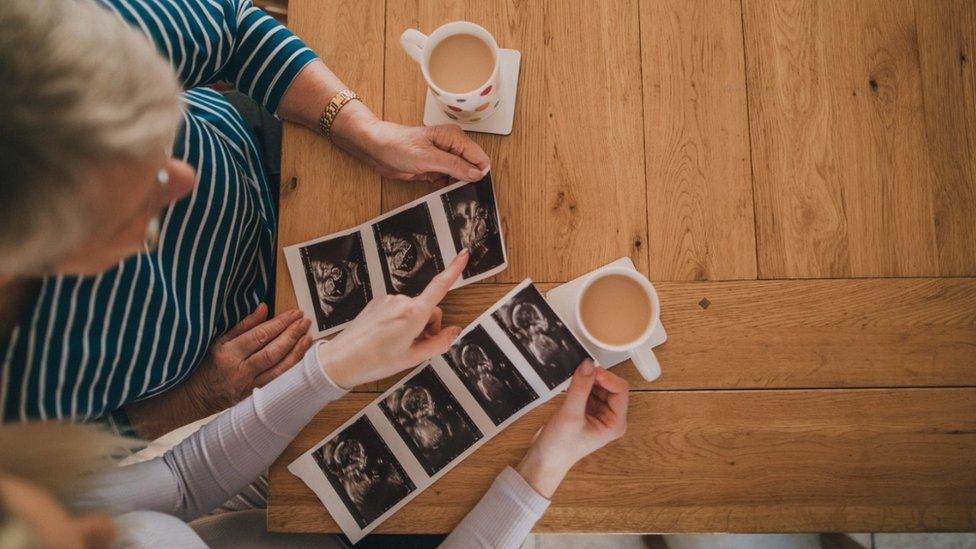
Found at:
[544, 473]
[334, 367]
[352, 127]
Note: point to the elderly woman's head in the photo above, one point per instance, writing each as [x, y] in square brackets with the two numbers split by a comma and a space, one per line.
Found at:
[88, 114]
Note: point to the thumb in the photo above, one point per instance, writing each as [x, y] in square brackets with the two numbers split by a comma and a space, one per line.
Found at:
[453, 165]
[579, 389]
[435, 345]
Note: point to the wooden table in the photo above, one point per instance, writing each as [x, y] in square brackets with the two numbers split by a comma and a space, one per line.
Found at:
[798, 179]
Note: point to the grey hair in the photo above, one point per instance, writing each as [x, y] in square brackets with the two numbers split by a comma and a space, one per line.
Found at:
[80, 89]
[60, 457]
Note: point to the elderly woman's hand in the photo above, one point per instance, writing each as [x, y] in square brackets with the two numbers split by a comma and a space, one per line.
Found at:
[410, 153]
[249, 355]
[593, 414]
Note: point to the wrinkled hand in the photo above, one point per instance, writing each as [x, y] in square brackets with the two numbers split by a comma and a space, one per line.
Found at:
[410, 153]
[392, 333]
[249, 355]
[593, 414]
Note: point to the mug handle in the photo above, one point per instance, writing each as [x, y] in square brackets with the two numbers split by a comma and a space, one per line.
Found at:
[413, 42]
[646, 363]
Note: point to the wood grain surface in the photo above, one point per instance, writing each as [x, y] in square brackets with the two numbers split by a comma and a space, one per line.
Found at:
[573, 167]
[696, 137]
[716, 461]
[947, 51]
[846, 177]
[796, 334]
[798, 177]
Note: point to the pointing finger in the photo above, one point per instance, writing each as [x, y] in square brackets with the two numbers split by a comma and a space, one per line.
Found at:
[442, 283]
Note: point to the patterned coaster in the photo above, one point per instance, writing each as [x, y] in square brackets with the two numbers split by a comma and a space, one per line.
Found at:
[502, 120]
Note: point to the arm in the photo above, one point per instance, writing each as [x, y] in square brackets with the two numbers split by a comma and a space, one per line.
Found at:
[208, 41]
[593, 414]
[224, 456]
[249, 355]
[391, 334]
[231, 40]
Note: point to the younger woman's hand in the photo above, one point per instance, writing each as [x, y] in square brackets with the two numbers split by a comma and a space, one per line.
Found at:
[392, 333]
[593, 414]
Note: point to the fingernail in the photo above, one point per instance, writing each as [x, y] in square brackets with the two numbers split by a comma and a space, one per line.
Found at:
[464, 251]
[306, 323]
[587, 368]
[474, 174]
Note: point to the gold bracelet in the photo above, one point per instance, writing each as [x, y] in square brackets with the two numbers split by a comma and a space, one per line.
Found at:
[332, 109]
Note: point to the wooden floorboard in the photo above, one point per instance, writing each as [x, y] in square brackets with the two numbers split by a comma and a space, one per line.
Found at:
[843, 174]
[716, 461]
[947, 52]
[573, 167]
[696, 138]
[793, 334]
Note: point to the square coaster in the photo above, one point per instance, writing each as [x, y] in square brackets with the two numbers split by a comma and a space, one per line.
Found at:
[502, 120]
[563, 300]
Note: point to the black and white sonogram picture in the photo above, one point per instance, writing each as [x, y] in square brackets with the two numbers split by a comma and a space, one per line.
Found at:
[337, 279]
[473, 218]
[409, 250]
[488, 374]
[548, 346]
[430, 420]
[363, 471]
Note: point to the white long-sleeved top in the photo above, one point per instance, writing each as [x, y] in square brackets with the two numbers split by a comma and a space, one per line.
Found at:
[153, 499]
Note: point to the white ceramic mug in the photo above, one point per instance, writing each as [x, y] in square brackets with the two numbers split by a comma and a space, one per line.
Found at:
[638, 349]
[472, 106]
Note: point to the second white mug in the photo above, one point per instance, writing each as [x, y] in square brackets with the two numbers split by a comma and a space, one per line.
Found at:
[471, 106]
[639, 348]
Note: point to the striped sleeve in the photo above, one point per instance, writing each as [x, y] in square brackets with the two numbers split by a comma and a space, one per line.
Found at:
[232, 41]
[266, 56]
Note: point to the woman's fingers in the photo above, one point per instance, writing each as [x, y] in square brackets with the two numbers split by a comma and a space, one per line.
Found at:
[436, 344]
[452, 165]
[617, 392]
[451, 138]
[579, 388]
[259, 336]
[259, 315]
[292, 358]
[434, 324]
[277, 348]
[455, 154]
[441, 284]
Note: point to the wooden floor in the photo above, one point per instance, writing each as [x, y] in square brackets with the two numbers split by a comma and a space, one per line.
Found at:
[798, 178]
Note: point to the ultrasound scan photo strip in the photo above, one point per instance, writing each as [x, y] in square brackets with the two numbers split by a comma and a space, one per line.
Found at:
[399, 252]
[441, 412]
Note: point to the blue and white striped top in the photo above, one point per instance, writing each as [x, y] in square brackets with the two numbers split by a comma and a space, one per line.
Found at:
[92, 344]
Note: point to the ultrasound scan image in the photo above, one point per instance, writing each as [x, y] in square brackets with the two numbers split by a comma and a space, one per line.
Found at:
[430, 420]
[409, 251]
[335, 271]
[535, 329]
[363, 471]
[473, 219]
[489, 375]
